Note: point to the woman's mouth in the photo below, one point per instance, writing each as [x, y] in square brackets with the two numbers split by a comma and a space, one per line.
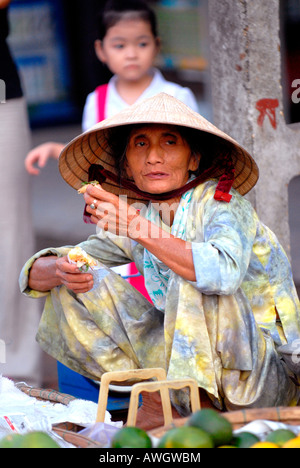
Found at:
[156, 175]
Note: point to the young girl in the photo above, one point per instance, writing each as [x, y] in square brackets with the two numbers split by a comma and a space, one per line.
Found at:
[128, 44]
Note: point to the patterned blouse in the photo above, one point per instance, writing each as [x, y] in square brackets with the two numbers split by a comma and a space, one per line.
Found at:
[221, 330]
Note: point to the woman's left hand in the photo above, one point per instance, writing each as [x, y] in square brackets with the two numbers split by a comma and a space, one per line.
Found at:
[115, 215]
[111, 213]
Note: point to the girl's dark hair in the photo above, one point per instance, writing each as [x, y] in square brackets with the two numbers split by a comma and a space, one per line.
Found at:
[201, 143]
[116, 10]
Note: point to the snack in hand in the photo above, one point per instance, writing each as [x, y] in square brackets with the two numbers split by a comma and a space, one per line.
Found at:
[85, 184]
[81, 258]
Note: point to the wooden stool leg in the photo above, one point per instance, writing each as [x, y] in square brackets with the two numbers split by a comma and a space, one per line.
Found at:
[163, 386]
[148, 387]
[123, 376]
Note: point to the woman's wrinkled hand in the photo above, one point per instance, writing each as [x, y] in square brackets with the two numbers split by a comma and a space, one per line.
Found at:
[110, 212]
[49, 272]
[71, 277]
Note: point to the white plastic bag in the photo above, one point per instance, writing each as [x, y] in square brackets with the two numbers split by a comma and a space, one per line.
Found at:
[101, 432]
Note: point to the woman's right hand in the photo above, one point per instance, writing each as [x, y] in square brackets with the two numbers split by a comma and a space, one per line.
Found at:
[49, 272]
[72, 277]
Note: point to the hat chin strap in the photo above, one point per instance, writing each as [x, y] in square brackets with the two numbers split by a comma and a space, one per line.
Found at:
[99, 173]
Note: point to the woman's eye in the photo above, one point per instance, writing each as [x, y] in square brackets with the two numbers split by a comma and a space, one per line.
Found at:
[118, 46]
[140, 143]
[143, 44]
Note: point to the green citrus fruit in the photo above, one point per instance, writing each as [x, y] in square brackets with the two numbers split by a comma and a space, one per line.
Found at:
[186, 437]
[11, 441]
[34, 439]
[244, 439]
[38, 439]
[131, 437]
[212, 422]
[280, 436]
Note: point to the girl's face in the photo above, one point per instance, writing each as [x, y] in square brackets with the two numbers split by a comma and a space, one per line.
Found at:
[158, 158]
[128, 49]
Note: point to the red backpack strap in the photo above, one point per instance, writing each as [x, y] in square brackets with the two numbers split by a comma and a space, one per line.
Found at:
[101, 92]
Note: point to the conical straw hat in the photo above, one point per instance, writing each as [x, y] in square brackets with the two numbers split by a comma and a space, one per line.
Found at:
[90, 148]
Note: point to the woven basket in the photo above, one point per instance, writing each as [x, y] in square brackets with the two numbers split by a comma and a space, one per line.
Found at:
[238, 419]
[67, 431]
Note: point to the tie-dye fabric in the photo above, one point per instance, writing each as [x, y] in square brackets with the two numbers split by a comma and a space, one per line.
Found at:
[156, 274]
[222, 330]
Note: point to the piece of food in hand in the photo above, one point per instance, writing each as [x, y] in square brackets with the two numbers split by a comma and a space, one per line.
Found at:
[82, 259]
[85, 184]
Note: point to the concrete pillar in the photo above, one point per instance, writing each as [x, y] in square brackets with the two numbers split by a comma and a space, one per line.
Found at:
[248, 103]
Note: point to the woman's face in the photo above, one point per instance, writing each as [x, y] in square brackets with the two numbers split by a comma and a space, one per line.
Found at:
[158, 158]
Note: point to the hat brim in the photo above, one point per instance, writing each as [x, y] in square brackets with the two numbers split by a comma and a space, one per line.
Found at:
[91, 148]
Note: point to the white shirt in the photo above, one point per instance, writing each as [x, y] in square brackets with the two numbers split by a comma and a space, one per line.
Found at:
[114, 102]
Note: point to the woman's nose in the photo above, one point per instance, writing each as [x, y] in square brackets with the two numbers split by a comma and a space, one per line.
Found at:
[155, 155]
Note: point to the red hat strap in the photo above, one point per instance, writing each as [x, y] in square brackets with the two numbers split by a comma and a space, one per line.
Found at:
[226, 180]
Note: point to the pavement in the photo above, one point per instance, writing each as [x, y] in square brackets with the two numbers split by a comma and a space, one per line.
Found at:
[57, 215]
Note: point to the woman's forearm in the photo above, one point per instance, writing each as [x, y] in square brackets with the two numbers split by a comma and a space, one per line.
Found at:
[172, 251]
[42, 276]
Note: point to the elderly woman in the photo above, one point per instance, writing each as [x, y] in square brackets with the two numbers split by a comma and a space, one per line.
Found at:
[170, 198]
